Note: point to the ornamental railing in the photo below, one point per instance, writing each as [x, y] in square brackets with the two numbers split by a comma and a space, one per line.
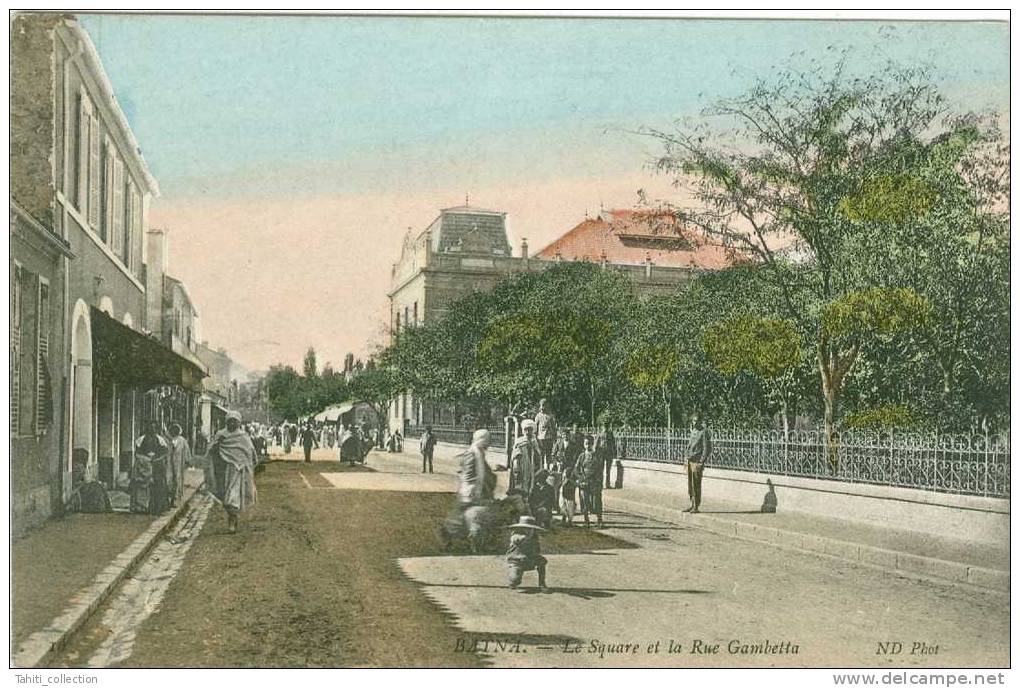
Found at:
[458, 435]
[959, 464]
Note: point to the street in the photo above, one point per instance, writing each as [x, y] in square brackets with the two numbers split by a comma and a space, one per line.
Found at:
[340, 567]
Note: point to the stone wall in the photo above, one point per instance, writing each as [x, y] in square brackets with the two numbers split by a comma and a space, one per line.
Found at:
[32, 124]
[964, 517]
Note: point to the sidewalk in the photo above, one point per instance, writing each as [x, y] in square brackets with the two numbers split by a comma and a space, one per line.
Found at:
[886, 548]
[63, 570]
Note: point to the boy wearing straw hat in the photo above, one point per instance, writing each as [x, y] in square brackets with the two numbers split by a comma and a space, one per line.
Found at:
[525, 553]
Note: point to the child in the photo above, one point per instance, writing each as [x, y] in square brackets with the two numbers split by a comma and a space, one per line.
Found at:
[556, 473]
[543, 498]
[588, 474]
[525, 553]
[568, 493]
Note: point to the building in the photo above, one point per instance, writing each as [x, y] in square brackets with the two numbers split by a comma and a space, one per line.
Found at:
[466, 249]
[638, 238]
[37, 382]
[229, 387]
[80, 193]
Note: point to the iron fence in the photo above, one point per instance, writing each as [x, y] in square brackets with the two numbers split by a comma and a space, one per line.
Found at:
[959, 464]
[457, 435]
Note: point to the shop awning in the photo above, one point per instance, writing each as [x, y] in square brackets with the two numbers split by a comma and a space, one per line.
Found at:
[122, 355]
[333, 413]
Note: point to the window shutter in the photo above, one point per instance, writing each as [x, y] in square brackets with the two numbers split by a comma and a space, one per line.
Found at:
[16, 318]
[117, 224]
[84, 119]
[106, 219]
[93, 176]
[129, 224]
[137, 230]
[43, 403]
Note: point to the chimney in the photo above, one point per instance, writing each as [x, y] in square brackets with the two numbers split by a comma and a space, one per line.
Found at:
[155, 269]
[524, 249]
[648, 265]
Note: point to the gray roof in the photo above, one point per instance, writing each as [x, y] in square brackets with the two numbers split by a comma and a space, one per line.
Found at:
[465, 229]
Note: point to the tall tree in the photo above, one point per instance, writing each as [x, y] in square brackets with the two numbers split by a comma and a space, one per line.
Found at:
[310, 366]
[837, 168]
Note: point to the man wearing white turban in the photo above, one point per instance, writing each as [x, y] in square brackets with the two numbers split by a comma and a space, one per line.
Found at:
[233, 456]
[477, 481]
[524, 459]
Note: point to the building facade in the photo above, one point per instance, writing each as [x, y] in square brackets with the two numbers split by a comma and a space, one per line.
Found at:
[77, 172]
[466, 249]
[37, 380]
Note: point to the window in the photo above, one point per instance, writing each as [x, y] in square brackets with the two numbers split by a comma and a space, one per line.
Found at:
[17, 316]
[80, 166]
[116, 229]
[43, 388]
[129, 224]
[397, 329]
[23, 368]
[136, 229]
[106, 228]
[93, 172]
[415, 313]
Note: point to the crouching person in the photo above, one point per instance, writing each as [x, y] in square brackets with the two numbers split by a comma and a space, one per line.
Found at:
[525, 553]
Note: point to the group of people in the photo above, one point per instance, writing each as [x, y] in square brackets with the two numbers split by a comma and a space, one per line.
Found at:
[351, 441]
[555, 470]
[549, 470]
[157, 471]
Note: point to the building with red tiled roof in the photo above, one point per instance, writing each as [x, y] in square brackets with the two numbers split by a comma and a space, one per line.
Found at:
[634, 237]
[466, 250]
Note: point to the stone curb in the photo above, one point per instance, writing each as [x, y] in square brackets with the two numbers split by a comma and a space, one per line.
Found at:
[901, 562]
[891, 560]
[39, 647]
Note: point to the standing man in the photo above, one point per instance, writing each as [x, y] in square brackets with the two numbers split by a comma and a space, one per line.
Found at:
[524, 458]
[605, 446]
[180, 459]
[428, 446]
[568, 448]
[288, 440]
[232, 449]
[545, 431]
[698, 451]
[148, 490]
[308, 440]
[588, 475]
[477, 481]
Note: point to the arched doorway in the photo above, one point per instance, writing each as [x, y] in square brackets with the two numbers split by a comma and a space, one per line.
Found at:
[82, 447]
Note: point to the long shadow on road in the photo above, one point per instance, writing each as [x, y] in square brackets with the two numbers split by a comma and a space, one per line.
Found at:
[584, 593]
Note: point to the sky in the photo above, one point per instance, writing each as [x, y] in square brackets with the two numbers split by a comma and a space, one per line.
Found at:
[293, 153]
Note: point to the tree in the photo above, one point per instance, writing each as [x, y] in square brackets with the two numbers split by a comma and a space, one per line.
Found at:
[375, 386]
[769, 348]
[844, 170]
[284, 391]
[311, 369]
[654, 367]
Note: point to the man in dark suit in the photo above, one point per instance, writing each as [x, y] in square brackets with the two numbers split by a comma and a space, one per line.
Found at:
[428, 447]
[699, 448]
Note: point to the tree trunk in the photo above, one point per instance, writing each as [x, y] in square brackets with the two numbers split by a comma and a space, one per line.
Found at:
[831, 397]
[786, 421]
